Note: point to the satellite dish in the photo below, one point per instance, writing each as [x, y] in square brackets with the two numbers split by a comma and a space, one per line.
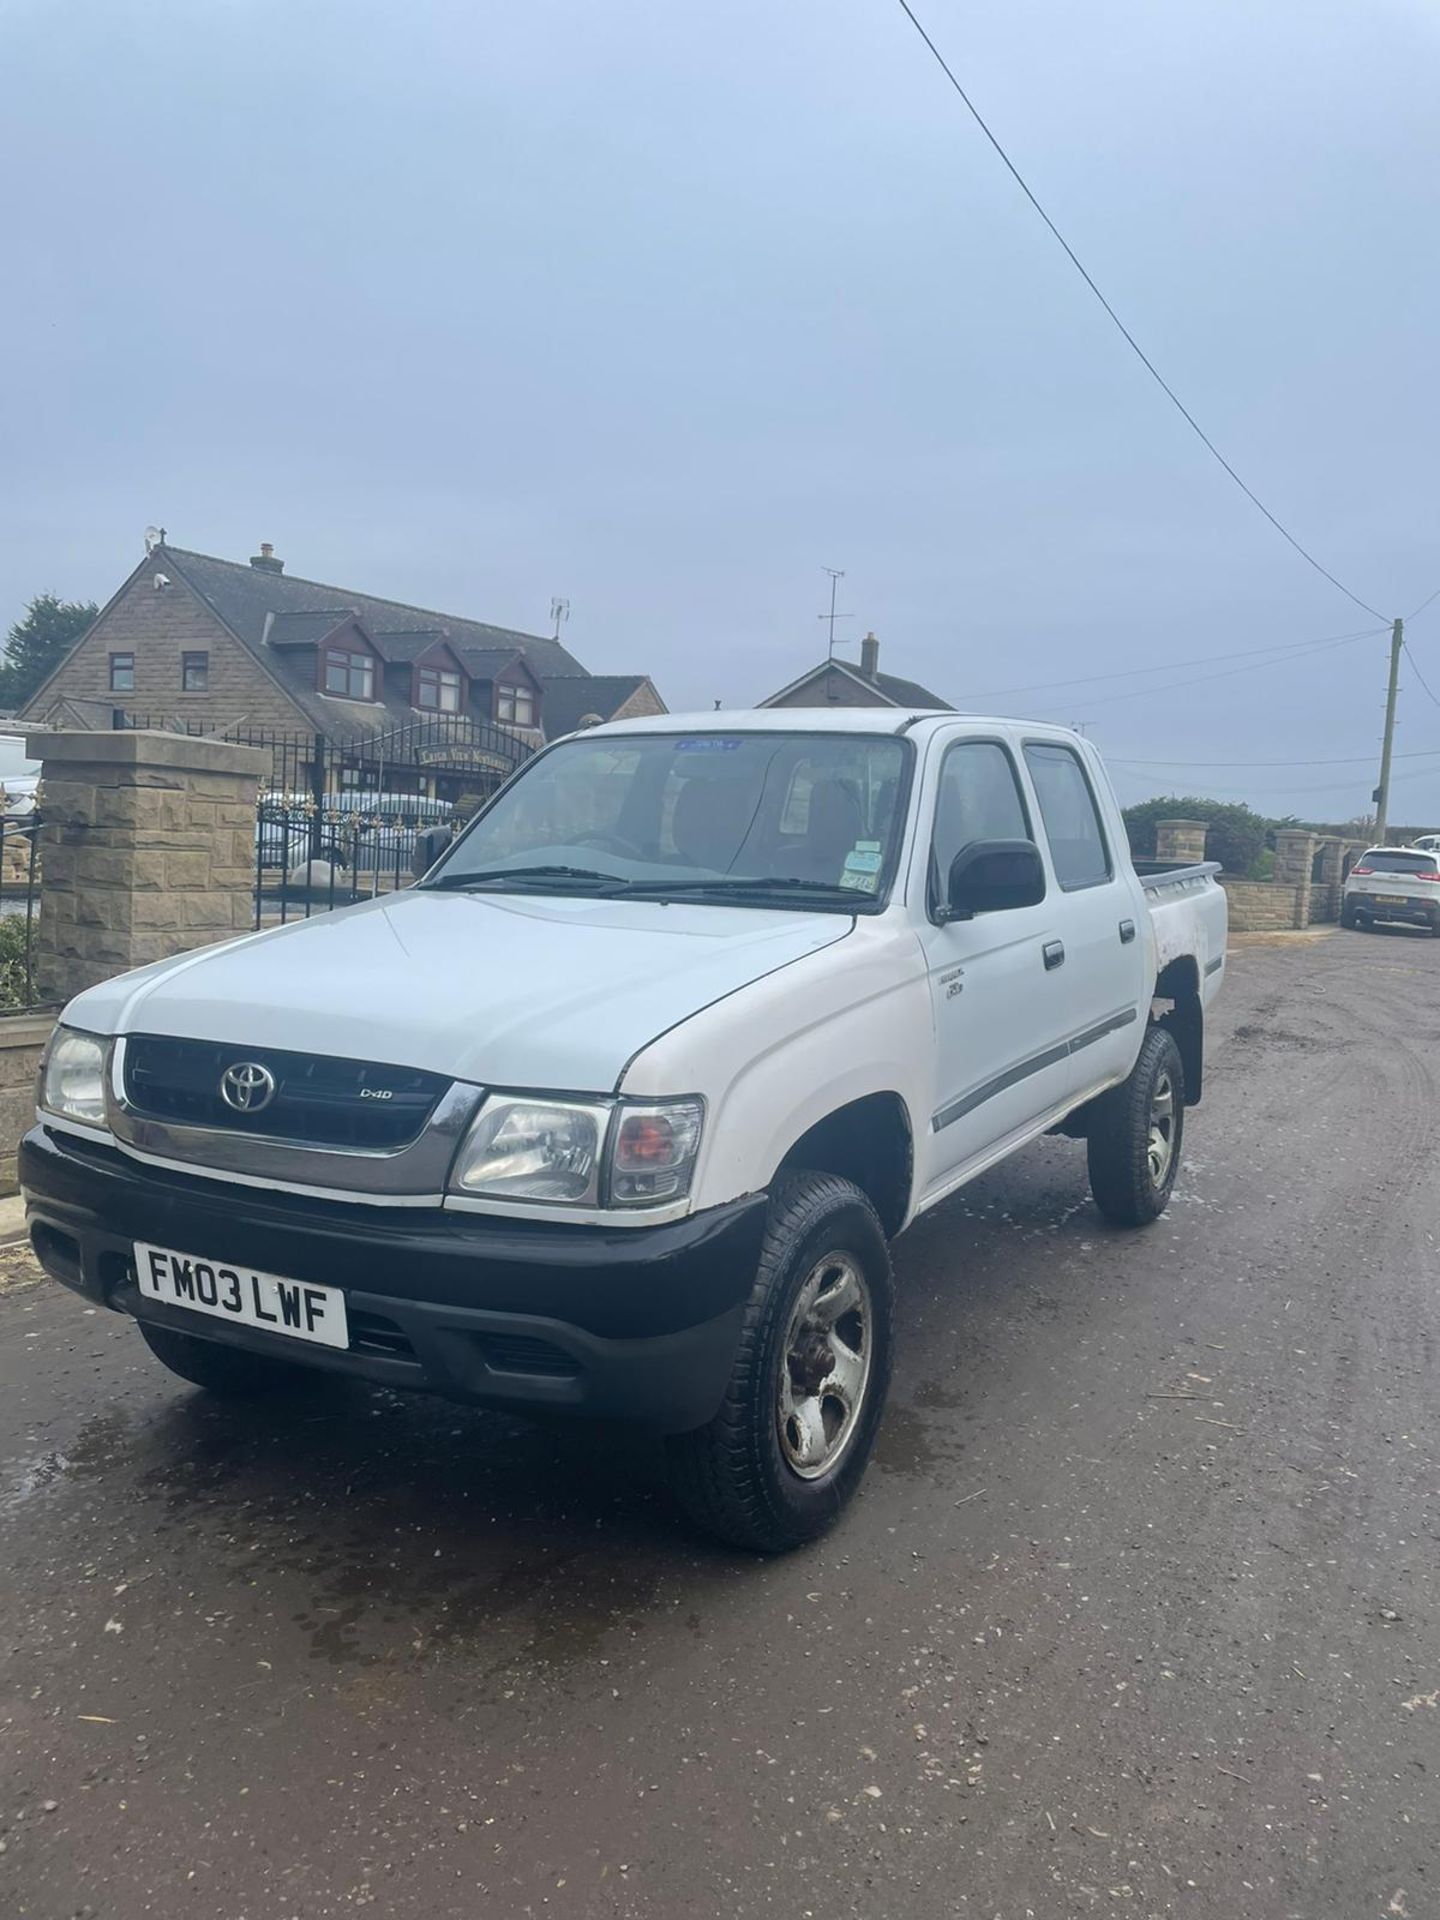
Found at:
[153, 537]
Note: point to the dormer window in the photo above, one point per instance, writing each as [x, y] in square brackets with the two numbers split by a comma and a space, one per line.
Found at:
[515, 704]
[437, 690]
[349, 673]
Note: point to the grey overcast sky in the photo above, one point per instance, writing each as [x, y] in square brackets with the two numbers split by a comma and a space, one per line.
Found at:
[665, 307]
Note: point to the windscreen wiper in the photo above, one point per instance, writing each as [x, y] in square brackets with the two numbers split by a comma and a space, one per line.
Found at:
[500, 876]
[737, 884]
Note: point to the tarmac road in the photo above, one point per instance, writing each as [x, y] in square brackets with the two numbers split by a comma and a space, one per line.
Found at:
[1137, 1613]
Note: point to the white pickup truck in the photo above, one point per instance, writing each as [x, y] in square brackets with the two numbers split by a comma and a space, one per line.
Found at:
[618, 1109]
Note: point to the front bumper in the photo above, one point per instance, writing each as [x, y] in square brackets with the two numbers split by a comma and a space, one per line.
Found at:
[638, 1323]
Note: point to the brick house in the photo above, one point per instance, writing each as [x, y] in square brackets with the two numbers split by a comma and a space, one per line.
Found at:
[839, 683]
[193, 641]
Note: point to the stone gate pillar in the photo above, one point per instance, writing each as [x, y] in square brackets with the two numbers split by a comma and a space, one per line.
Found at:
[1325, 901]
[1181, 841]
[1294, 864]
[147, 848]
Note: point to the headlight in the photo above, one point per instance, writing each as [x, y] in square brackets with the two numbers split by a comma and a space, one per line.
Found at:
[653, 1153]
[580, 1153]
[522, 1149]
[72, 1083]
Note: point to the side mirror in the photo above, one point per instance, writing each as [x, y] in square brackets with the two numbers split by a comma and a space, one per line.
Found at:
[990, 875]
[430, 843]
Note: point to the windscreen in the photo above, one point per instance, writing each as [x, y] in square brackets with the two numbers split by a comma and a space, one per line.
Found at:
[811, 815]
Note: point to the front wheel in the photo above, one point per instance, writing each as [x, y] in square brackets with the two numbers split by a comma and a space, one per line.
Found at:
[1135, 1136]
[789, 1446]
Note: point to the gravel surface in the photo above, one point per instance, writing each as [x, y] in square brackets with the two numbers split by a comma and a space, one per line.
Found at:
[1136, 1614]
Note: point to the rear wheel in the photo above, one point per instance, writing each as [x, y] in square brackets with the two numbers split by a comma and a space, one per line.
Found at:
[227, 1370]
[1135, 1136]
[1349, 916]
[789, 1446]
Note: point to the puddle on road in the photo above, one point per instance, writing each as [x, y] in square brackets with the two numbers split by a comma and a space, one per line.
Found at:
[915, 1447]
[934, 1393]
[390, 1531]
[29, 1476]
[99, 1443]
[575, 1602]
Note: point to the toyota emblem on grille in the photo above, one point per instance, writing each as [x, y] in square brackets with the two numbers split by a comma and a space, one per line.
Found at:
[247, 1086]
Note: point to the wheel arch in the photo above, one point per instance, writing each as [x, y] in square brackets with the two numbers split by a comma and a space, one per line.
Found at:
[868, 1140]
[1181, 1011]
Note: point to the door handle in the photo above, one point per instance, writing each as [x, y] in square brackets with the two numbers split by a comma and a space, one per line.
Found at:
[1127, 932]
[1054, 951]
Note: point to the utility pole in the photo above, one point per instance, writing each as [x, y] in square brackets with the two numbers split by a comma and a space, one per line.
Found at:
[1382, 792]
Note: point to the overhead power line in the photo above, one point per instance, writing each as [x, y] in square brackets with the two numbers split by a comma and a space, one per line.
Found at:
[1415, 668]
[1283, 647]
[1203, 679]
[1424, 603]
[1131, 341]
[1353, 760]
[1330, 786]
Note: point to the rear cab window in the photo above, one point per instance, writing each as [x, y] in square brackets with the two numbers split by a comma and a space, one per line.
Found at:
[1079, 851]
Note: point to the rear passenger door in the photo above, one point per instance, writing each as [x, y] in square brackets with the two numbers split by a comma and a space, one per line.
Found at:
[1104, 952]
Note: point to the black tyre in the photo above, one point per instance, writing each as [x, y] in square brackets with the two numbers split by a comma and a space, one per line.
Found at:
[790, 1444]
[1348, 916]
[228, 1370]
[1135, 1136]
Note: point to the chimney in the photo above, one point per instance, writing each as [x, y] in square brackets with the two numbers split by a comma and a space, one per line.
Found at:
[869, 656]
[265, 560]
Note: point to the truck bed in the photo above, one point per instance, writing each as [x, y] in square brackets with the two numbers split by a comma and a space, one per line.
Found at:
[1189, 917]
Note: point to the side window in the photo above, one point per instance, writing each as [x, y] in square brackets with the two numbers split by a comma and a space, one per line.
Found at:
[979, 799]
[1072, 820]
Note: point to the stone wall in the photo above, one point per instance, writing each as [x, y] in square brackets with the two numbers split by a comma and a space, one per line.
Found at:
[1308, 882]
[1261, 906]
[22, 1039]
[157, 627]
[147, 850]
[640, 704]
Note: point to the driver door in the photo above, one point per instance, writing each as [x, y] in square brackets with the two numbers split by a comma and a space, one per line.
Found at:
[1001, 1053]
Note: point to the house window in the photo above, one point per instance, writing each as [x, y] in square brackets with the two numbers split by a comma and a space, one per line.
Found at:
[194, 672]
[516, 704]
[350, 674]
[437, 690]
[122, 673]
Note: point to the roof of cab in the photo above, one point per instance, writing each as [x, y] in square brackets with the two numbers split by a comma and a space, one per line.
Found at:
[816, 720]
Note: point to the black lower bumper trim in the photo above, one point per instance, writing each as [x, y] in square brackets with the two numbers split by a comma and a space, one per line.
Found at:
[1403, 916]
[639, 1323]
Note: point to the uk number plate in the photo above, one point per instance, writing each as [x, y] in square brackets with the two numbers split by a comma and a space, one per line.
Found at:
[241, 1295]
[1391, 900]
